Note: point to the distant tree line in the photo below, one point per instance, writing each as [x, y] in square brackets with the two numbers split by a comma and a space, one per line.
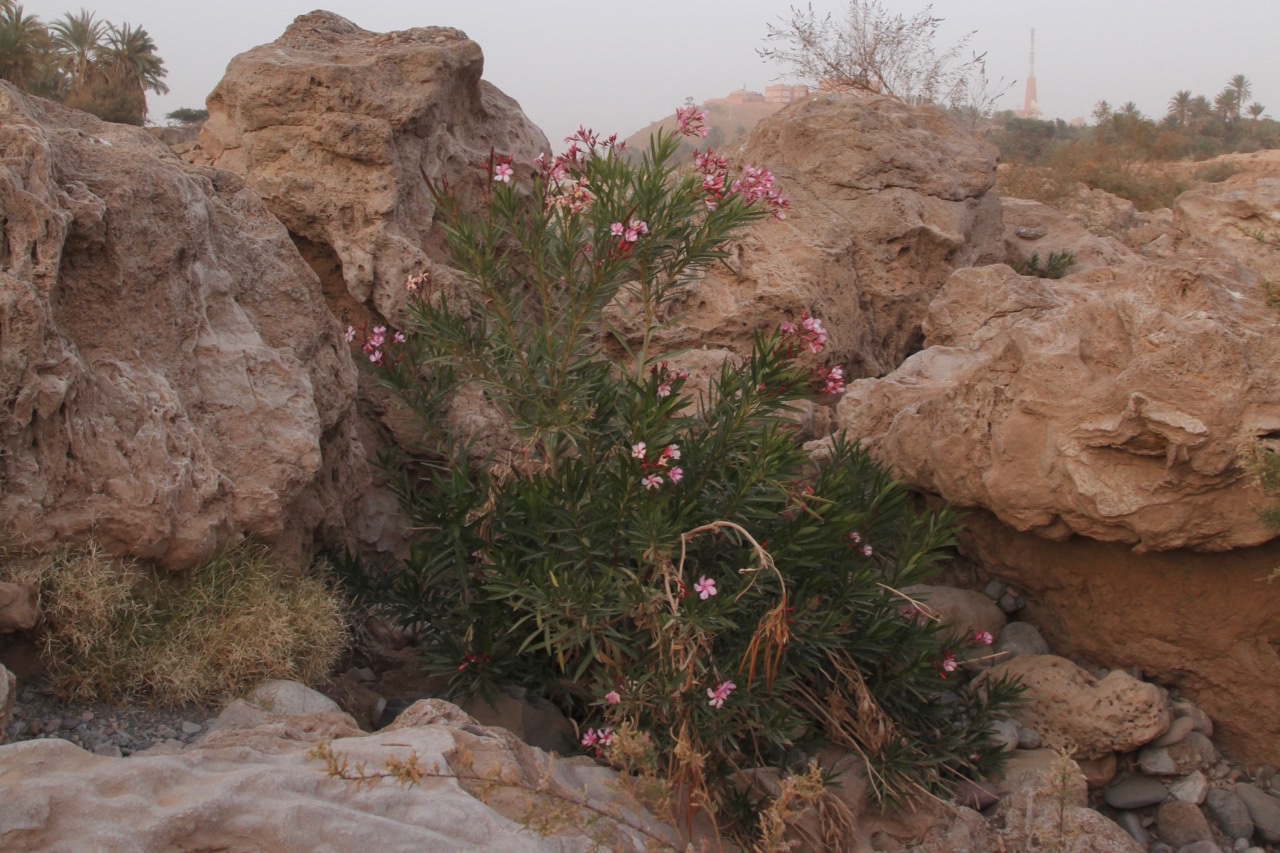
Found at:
[82, 62]
[1193, 126]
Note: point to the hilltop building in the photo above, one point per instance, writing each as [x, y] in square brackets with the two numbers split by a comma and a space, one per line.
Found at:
[781, 93]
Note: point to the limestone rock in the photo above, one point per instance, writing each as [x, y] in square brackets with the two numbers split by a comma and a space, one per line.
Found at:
[887, 200]
[961, 612]
[1073, 710]
[1226, 219]
[259, 788]
[1047, 806]
[1060, 235]
[1120, 404]
[170, 379]
[1042, 769]
[19, 607]
[339, 130]
[289, 698]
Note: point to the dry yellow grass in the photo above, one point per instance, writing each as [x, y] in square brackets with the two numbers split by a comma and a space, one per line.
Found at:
[113, 630]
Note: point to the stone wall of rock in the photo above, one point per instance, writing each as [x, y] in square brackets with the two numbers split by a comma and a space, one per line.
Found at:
[1120, 404]
[339, 130]
[887, 200]
[170, 379]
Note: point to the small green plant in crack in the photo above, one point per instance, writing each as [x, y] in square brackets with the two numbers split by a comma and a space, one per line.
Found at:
[1055, 267]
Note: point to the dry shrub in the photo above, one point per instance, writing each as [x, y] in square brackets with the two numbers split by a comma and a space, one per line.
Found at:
[1095, 166]
[115, 631]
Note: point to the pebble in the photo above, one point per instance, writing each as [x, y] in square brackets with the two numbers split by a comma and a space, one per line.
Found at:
[1136, 792]
[1191, 788]
[1264, 809]
[108, 730]
[1181, 727]
[1021, 638]
[1131, 822]
[1181, 824]
[1202, 846]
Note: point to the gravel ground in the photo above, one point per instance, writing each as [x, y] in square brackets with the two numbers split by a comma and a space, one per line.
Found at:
[114, 730]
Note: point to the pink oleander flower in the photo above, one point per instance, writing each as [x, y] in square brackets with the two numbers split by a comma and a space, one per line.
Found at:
[676, 474]
[632, 231]
[913, 613]
[983, 638]
[690, 121]
[832, 379]
[597, 739]
[866, 551]
[638, 449]
[503, 172]
[720, 693]
[650, 482]
[854, 538]
[672, 451]
[949, 664]
[399, 338]
[705, 587]
[664, 390]
[349, 335]
[612, 698]
[376, 356]
[414, 283]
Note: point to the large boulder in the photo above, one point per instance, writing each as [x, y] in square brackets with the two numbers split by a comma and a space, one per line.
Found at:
[264, 788]
[1122, 404]
[1086, 717]
[887, 200]
[339, 130]
[170, 379]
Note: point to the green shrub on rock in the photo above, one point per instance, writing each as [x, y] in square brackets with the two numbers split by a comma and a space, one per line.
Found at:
[664, 560]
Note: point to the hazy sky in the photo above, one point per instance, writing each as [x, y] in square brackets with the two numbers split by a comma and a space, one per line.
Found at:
[617, 66]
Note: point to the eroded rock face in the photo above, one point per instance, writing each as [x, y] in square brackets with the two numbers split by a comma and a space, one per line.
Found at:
[170, 379]
[258, 788]
[1120, 404]
[1206, 623]
[888, 200]
[340, 130]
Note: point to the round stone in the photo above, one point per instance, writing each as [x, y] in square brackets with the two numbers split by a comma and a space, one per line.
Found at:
[1230, 812]
[1136, 792]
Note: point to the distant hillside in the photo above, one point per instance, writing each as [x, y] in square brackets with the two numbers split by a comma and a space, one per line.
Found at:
[729, 125]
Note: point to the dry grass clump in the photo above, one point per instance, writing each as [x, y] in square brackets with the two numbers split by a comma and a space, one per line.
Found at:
[115, 631]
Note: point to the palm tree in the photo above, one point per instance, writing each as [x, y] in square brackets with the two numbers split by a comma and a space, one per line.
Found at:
[1243, 88]
[79, 41]
[130, 60]
[24, 43]
[1226, 105]
[1130, 110]
[1180, 107]
[1201, 110]
[1255, 112]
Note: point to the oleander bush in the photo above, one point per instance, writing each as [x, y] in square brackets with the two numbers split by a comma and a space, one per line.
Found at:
[659, 556]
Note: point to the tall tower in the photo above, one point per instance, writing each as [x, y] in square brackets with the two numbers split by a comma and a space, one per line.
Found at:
[1030, 106]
